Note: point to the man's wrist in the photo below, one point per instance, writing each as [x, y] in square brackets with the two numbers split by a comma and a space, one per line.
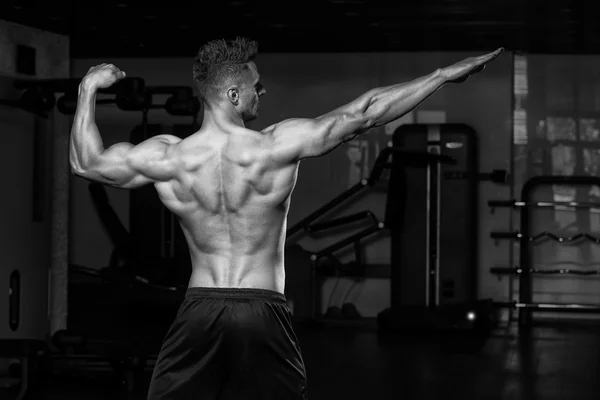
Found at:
[87, 87]
[441, 75]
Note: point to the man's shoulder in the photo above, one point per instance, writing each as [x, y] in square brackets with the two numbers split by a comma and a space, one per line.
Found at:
[289, 125]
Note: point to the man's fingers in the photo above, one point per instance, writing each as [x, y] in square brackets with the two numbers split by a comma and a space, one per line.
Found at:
[490, 56]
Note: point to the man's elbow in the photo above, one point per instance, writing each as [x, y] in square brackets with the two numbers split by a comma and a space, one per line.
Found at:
[77, 169]
[77, 165]
[359, 123]
[84, 166]
[92, 175]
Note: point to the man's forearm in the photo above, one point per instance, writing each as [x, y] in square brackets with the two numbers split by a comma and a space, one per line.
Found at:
[386, 104]
[86, 142]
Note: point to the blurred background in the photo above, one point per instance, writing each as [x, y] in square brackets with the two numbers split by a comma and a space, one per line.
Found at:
[455, 249]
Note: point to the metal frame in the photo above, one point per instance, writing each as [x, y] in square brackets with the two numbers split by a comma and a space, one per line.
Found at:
[525, 304]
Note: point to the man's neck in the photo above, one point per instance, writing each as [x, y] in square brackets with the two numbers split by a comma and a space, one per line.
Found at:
[219, 116]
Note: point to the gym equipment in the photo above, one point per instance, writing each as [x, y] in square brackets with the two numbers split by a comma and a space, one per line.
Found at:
[34, 99]
[525, 304]
[537, 271]
[432, 217]
[545, 235]
[493, 204]
[131, 299]
[311, 224]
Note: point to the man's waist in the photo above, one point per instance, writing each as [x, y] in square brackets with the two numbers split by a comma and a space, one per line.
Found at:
[265, 276]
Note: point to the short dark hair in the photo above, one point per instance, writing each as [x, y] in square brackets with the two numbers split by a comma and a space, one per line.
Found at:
[219, 62]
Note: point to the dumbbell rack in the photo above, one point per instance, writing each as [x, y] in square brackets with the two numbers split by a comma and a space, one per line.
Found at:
[525, 305]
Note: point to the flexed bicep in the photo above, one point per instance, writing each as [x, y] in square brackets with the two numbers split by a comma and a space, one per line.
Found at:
[122, 165]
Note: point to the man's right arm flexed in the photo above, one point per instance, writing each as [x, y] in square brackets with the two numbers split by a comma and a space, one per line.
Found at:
[123, 165]
[296, 139]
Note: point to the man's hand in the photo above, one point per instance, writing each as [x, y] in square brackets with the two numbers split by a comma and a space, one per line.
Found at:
[461, 71]
[102, 76]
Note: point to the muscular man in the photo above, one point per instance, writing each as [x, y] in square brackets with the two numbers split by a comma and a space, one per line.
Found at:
[230, 188]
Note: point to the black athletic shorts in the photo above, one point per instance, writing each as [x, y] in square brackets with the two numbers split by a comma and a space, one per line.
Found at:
[230, 344]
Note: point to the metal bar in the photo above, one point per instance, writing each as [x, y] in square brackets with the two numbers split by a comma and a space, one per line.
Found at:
[542, 204]
[432, 268]
[344, 242]
[348, 219]
[561, 239]
[525, 284]
[560, 271]
[302, 224]
[545, 235]
[552, 307]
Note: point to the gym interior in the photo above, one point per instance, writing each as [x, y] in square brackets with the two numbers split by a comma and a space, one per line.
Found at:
[452, 253]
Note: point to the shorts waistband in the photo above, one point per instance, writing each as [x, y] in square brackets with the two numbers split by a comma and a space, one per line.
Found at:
[235, 293]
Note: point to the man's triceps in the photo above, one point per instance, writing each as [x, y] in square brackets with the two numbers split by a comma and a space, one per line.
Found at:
[118, 166]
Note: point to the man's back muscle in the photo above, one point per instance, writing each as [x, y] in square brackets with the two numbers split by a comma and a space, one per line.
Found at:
[231, 199]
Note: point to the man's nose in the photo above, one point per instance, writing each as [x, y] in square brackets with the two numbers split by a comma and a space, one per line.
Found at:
[262, 91]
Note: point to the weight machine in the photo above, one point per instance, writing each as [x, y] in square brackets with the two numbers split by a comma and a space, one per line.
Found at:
[314, 222]
[431, 285]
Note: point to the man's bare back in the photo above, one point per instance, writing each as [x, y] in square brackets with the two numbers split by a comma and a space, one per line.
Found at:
[232, 200]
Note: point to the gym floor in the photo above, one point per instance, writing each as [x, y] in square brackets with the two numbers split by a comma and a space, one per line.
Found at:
[555, 361]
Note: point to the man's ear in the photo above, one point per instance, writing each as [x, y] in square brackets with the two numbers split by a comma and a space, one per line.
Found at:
[233, 95]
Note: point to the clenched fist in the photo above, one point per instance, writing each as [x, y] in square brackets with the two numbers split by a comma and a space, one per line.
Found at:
[102, 76]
